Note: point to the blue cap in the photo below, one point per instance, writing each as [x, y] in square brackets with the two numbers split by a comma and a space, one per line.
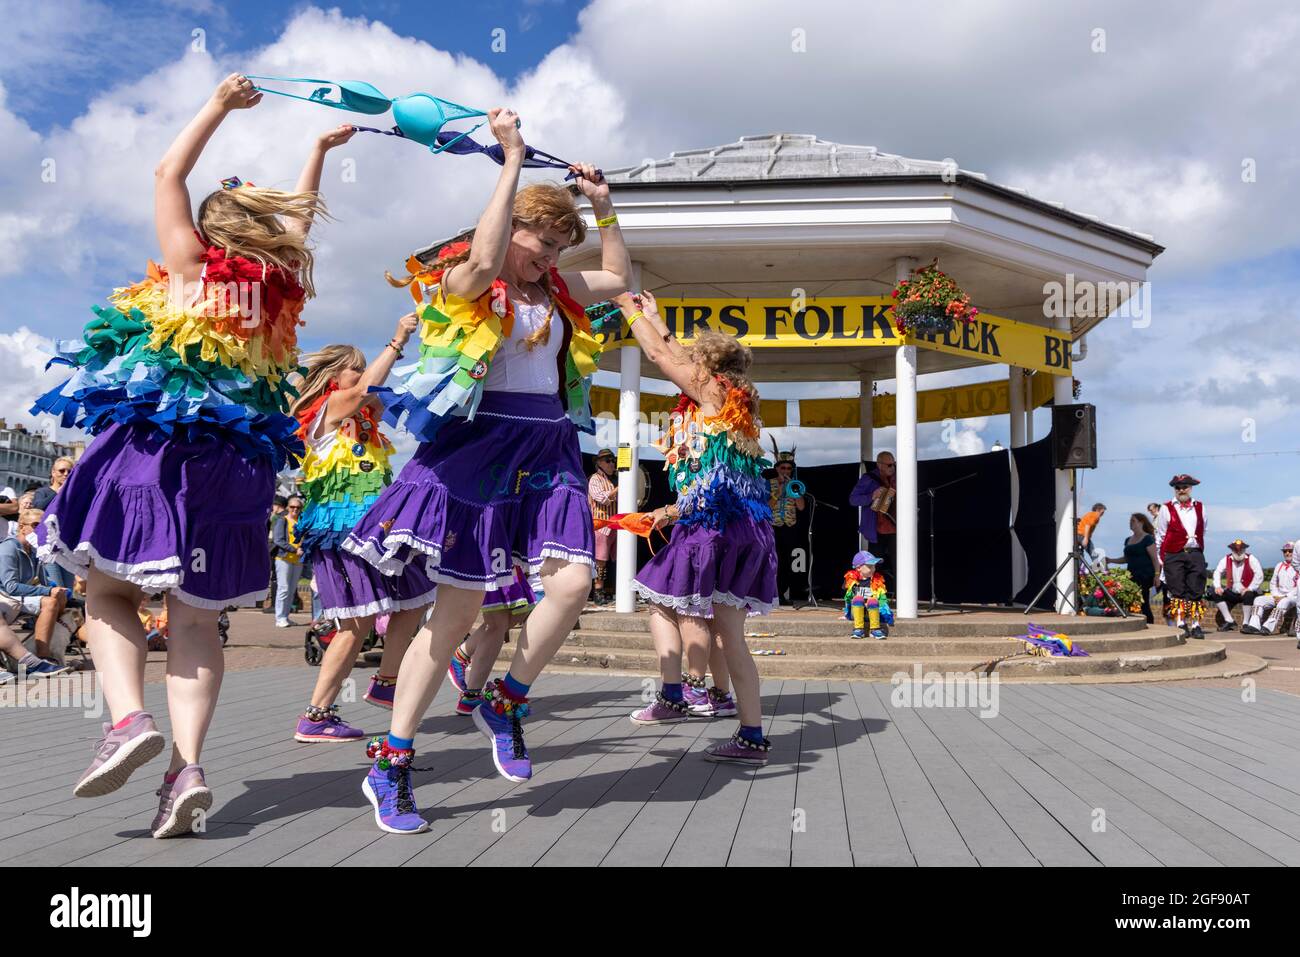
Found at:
[865, 558]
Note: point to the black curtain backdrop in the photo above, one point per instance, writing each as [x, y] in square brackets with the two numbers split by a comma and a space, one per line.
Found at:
[971, 518]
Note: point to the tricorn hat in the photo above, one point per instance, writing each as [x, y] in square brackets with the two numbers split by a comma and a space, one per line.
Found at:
[1183, 479]
[1237, 543]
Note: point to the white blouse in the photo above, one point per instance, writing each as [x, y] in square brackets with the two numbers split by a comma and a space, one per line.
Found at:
[515, 368]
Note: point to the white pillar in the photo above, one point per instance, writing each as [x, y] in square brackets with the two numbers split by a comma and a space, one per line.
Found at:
[866, 431]
[629, 416]
[1066, 583]
[1028, 385]
[1016, 393]
[905, 457]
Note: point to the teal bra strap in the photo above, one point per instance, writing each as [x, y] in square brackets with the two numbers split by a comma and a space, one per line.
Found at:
[380, 105]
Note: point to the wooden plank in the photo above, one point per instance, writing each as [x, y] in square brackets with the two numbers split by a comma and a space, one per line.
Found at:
[821, 838]
[986, 833]
[876, 837]
[765, 832]
[931, 834]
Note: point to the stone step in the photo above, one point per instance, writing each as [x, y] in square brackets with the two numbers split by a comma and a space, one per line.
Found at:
[828, 624]
[1194, 654]
[842, 646]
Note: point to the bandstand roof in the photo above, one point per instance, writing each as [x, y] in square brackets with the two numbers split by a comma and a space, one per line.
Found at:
[767, 214]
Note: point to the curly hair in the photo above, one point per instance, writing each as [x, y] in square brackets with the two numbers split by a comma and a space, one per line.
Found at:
[719, 354]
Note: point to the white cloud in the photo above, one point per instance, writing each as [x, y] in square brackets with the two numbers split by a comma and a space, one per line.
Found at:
[23, 376]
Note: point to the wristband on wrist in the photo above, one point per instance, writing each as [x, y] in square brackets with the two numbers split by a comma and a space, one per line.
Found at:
[392, 344]
[634, 317]
[609, 220]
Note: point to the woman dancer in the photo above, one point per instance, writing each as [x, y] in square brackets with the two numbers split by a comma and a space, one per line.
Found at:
[720, 562]
[472, 661]
[505, 341]
[182, 381]
[345, 469]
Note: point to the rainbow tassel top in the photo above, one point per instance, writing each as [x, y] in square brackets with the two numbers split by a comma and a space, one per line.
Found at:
[715, 464]
[459, 337]
[872, 590]
[217, 363]
[343, 474]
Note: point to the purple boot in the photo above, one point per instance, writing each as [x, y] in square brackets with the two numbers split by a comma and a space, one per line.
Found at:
[183, 802]
[662, 711]
[738, 750]
[324, 724]
[388, 788]
[118, 754]
[382, 691]
[501, 719]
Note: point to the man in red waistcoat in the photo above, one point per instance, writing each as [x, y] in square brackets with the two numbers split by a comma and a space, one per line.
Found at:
[1238, 580]
[1180, 542]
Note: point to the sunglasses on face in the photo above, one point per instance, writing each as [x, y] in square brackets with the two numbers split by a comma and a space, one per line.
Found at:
[62, 471]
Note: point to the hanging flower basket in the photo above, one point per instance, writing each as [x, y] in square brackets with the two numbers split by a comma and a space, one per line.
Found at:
[930, 303]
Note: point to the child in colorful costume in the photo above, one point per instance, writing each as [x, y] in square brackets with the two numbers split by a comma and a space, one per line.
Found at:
[865, 603]
[497, 400]
[720, 563]
[344, 470]
[183, 384]
[472, 661]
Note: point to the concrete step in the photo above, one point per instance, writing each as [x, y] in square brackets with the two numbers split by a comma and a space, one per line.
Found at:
[644, 661]
[842, 646]
[831, 624]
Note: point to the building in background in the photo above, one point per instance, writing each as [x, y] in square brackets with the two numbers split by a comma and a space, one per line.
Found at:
[26, 457]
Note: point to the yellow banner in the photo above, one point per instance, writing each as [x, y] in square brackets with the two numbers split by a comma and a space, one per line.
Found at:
[932, 405]
[858, 322]
[605, 400]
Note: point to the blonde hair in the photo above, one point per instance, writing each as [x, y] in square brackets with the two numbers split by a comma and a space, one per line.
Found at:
[717, 353]
[536, 206]
[323, 367]
[30, 516]
[248, 221]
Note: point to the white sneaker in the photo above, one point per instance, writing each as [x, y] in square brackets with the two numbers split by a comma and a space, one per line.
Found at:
[283, 623]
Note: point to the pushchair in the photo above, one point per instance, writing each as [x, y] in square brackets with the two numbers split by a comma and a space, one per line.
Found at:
[322, 633]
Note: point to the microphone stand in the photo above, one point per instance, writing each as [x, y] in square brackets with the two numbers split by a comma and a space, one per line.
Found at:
[930, 492]
[812, 513]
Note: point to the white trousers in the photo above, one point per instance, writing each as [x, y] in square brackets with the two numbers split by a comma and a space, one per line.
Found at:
[1266, 604]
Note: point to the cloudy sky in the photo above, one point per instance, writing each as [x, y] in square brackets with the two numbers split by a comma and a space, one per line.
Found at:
[1177, 119]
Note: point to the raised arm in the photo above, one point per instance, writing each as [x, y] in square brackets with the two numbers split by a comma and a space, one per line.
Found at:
[346, 402]
[173, 218]
[615, 272]
[662, 348]
[309, 178]
[471, 279]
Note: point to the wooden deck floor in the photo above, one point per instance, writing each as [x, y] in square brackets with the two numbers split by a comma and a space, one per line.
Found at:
[1182, 776]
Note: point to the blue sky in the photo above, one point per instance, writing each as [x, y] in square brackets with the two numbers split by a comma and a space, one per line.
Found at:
[1150, 133]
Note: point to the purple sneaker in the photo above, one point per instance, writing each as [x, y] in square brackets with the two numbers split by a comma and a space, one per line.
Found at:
[694, 697]
[118, 754]
[739, 751]
[388, 788]
[382, 691]
[468, 701]
[456, 671]
[500, 719]
[182, 803]
[662, 711]
[719, 704]
[324, 724]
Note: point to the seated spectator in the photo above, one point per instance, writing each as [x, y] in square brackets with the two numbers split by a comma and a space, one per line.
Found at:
[1283, 590]
[21, 583]
[1238, 579]
[27, 663]
[59, 473]
[9, 509]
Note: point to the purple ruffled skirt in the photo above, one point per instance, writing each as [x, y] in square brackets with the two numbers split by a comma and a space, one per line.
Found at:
[701, 567]
[186, 516]
[351, 588]
[503, 489]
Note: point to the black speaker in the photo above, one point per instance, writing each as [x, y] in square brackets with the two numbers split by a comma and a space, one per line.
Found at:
[1074, 436]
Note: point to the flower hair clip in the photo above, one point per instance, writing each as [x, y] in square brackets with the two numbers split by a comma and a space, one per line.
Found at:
[233, 182]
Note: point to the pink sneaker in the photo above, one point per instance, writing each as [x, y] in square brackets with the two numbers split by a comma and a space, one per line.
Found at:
[118, 754]
[182, 803]
[739, 751]
[716, 703]
[661, 711]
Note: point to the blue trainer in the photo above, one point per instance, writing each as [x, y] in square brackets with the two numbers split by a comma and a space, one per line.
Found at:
[46, 669]
[388, 788]
[456, 671]
[500, 719]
